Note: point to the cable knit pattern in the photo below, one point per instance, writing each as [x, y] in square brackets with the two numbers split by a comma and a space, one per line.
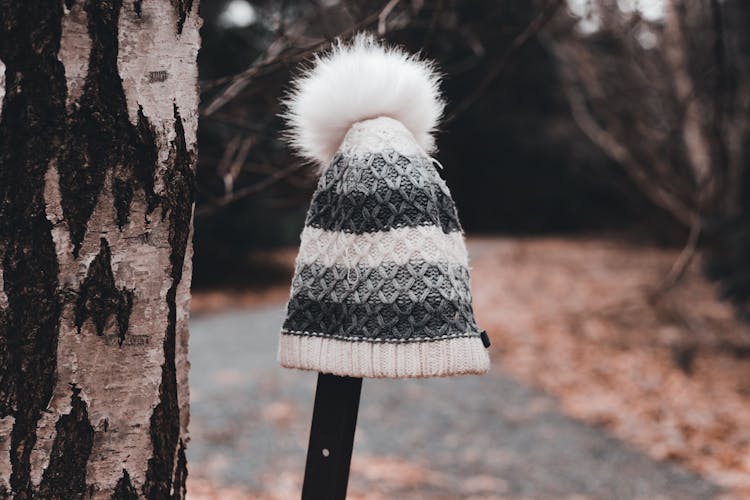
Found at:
[378, 135]
[379, 191]
[399, 246]
[381, 282]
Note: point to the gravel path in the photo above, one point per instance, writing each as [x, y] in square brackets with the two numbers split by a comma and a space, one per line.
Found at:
[464, 437]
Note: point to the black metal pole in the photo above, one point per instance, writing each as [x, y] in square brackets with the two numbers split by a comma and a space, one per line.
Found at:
[329, 453]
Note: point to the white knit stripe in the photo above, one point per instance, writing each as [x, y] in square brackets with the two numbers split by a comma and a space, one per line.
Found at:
[441, 358]
[380, 135]
[397, 246]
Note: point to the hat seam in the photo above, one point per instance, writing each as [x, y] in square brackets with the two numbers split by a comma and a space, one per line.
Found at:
[303, 333]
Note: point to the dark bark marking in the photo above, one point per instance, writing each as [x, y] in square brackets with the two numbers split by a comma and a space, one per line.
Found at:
[158, 76]
[99, 299]
[30, 131]
[183, 8]
[180, 474]
[69, 4]
[124, 489]
[145, 156]
[137, 8]
[138, 169]
[179, 197]
[100, 135]
[165, 420]
[122, 191]
[98, 125]
[128, 341]
[6, 382]
[65, 477]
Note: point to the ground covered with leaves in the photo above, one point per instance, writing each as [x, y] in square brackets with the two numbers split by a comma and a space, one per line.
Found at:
[584, 320]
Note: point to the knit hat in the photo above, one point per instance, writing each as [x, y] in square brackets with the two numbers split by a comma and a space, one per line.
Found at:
[381, 281]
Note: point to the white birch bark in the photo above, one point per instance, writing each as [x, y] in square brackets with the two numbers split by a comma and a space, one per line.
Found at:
[120, 377]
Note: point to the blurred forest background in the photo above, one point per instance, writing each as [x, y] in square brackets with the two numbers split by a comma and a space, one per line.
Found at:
[597, 151]
[622, 117]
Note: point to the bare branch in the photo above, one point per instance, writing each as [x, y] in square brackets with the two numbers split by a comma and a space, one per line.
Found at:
[619, 153]
[383, 17]
[232, 171]
[274, 59]
[694, 137]
[681, 265]
[213, 206]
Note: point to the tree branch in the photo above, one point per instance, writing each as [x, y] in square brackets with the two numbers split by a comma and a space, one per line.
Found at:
[619, 153]
[273, 61]
[214, 205]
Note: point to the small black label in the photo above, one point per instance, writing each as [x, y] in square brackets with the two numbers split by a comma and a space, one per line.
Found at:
[485, 338]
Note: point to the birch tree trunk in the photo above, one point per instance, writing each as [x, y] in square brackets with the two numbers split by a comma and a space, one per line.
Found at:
[97, 158]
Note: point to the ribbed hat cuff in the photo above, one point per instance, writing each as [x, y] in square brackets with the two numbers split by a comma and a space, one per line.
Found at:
[438, 358]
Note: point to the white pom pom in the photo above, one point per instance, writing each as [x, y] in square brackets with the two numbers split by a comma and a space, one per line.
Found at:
[355, 82]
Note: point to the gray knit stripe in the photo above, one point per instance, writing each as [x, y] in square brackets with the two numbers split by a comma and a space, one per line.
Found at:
[411, 302]
[365, 172]
[431, 319]
[388, 283]
[378, 192]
